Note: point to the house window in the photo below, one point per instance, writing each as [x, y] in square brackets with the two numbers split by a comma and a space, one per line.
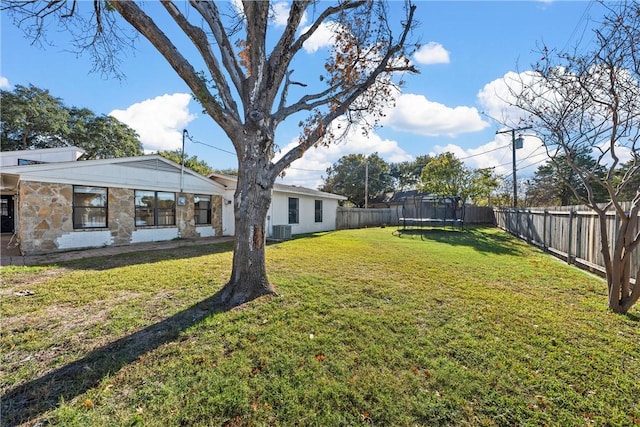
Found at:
[202, 209]
[89, 207]
[24, 162]
[155, 208]
[318, 211]
[293, 210]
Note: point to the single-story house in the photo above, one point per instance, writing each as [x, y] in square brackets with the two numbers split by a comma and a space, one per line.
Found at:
[53, 202]
[294, 209]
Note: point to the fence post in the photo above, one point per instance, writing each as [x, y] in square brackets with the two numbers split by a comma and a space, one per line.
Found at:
[544, 229]
[570, 235]
[578, 250]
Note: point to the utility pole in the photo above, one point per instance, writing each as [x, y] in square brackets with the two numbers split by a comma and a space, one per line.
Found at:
[366, 184]
[515, 144]
[184, 133]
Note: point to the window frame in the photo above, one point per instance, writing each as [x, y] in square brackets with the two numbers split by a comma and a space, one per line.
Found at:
[294, 213]
[76, 207]
[154, 212]
[197, 210]
[318, 209]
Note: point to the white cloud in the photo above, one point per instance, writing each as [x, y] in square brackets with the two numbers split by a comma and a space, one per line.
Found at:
[321, 38]
[497, 97]
[498, 154]
[159, 121]
[416, 114]
[281, 14]
[4, 83]
[309, 170]
[432, 53]
[237, 6]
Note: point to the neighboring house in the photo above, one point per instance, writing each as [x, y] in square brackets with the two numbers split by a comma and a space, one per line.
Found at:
[52, 202]
[298, 209]
[392, 200]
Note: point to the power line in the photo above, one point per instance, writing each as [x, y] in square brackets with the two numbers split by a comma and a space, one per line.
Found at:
[307, 170]
[195, 141]
[523, 160]
[209, 145]
[527, 166]
[484, 152]
[579, 24]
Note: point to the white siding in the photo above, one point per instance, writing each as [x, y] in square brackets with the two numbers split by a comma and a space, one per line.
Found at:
[142, 173]
[45, 155]
[228, 214]
[279, 213]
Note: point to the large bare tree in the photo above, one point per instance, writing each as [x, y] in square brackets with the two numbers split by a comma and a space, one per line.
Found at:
[248, 87]
[590, 102]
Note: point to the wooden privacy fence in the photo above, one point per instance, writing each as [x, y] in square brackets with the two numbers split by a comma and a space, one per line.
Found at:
[570, 232]
[347, 218]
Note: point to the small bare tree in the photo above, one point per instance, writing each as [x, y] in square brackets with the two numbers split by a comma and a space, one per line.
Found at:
[241, 71]
[590, 102]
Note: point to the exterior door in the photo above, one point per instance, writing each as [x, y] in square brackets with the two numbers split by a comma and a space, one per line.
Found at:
[6, 214]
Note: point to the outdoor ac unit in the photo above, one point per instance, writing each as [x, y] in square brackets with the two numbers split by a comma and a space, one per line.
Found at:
[282, 232]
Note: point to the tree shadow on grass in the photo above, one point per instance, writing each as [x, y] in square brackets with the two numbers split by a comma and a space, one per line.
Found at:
[474, 237]
[146, 256]
[27, 401]
[632, 317]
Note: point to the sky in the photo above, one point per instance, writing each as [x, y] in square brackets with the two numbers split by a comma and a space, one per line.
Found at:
[454, 104]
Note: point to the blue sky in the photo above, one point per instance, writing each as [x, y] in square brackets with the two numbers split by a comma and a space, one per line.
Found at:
[468, 49]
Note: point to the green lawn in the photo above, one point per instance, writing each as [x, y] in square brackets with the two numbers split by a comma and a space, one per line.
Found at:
[455, 328]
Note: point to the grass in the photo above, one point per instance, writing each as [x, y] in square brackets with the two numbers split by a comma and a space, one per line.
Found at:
[455, 328]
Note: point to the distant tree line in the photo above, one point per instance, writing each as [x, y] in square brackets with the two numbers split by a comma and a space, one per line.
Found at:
[443, 174]
[553, 183]
[32, 118]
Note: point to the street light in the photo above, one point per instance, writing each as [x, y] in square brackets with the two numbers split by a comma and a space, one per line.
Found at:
[515, 144]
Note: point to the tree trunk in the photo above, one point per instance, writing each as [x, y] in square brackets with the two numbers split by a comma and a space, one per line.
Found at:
[252, 200]
[622, 294]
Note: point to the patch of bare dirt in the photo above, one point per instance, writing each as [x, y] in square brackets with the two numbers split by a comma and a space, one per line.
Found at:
[20, 282]
[70, 332]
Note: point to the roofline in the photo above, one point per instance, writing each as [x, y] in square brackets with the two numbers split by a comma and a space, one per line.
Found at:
[65, 165]
[68, 148]
[285, 188]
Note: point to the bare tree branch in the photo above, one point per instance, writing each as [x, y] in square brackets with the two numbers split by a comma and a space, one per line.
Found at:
[311, 138]
[209, 11]
[130, 11]
[200, 41]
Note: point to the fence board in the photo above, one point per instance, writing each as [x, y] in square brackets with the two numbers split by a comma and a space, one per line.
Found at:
[347, 218]
[569, 232]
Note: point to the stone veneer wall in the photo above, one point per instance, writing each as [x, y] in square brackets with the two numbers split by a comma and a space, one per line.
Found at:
[216, 214]
[121, 214]
[46, 211]
[184, 217]
[44, 214]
